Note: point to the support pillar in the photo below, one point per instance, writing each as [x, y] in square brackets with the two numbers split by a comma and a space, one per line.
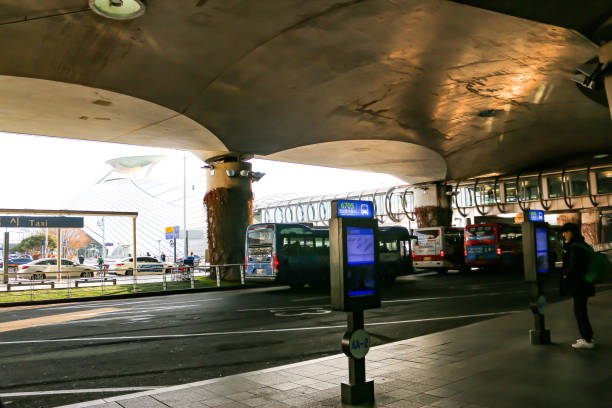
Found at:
[229, 210]
[432, 206]
[591, 225]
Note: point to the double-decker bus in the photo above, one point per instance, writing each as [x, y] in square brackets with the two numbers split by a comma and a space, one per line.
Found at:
[494, 246]
[296, 254]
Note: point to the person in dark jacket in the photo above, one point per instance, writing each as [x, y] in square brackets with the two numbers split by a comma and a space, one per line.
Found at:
[576, 258]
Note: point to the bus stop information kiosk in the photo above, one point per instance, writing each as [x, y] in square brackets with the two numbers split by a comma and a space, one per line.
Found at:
[354, 286]
[536, 265]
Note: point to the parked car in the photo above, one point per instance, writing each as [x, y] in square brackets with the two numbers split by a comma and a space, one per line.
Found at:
[47, 268]
[146, 265]
[15, 260]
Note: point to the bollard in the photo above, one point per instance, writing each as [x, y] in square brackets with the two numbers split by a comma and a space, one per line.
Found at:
[103, 279]
[191, 277]
[135, 288]
[164, 282]
[242, 275]
[218, 277]
[68, 285]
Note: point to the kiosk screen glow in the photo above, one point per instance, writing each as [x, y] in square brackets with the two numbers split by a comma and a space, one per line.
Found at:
[361, 276]
[541, 250]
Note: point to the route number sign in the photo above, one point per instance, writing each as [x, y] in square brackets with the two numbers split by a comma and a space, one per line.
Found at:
[359, 343]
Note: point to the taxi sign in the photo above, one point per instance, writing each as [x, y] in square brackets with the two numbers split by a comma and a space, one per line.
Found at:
[354, 209]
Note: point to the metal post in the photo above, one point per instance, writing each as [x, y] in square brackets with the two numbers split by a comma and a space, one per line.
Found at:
[185, 204]
[69, 285]
[218, 276]
[59, 255]
[134, 253]
[191, 276]
[5, 275]
[174, 246]
[242, 275]
[164, 282]
[357, 391]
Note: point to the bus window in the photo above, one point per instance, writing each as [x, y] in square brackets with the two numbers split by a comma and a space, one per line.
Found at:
[260, 237]
[453, 237]
[387, 246]
[479, 232]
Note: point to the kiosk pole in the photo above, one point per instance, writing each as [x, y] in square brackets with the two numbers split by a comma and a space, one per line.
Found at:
[535, 264]
[353, 233]
[357, 390]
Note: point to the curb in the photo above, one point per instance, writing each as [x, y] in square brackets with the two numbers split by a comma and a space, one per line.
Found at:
[124, 296]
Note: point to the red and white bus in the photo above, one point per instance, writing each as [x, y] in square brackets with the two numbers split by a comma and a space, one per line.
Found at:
[494, 246]
[438, 248]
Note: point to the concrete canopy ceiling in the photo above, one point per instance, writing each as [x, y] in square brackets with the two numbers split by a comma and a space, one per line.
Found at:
[458, 89]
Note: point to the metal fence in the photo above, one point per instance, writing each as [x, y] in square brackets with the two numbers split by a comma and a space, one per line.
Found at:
[107, 283]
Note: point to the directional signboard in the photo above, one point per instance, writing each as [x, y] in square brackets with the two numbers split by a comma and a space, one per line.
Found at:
[353, 209]
[173, 232]
[41, 222]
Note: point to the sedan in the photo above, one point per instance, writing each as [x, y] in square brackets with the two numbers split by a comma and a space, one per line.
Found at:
[47, 268]
[145, 265]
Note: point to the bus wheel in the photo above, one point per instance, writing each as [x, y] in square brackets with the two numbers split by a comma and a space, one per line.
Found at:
[129, 272]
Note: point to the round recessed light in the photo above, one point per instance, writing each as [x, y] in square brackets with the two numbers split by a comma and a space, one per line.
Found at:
[118, 9]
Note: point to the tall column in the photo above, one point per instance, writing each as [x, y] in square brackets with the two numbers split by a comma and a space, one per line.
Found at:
[432, 206]
[229, 210]
[591, 225]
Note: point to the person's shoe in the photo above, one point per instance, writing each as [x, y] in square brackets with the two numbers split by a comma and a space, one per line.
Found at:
[583, 344]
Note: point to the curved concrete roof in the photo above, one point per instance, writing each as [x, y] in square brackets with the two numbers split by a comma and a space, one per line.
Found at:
[439, 89]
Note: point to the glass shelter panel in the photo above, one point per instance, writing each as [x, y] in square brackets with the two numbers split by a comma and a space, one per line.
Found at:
[604, 181]
[579, 184]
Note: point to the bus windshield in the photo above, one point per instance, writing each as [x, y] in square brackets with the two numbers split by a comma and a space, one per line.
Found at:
[427, 237]
[260, 237]
[480, 232]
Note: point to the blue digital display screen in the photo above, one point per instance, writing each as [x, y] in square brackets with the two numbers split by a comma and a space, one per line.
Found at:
[360, 253]
[536, 215]
[541, 250]
[360, 246]
[355, 209]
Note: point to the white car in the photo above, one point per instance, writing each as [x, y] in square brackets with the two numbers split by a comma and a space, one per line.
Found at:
[47, 268]
[146, 265]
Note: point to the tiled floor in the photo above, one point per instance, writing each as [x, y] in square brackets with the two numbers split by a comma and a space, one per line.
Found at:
[487, 364]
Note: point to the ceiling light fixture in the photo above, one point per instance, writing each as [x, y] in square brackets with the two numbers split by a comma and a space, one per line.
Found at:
[118, 9]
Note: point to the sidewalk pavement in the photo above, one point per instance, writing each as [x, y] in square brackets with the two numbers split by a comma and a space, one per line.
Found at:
[486, 364]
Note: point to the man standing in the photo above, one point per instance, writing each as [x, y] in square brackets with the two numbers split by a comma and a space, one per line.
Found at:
[576, 257]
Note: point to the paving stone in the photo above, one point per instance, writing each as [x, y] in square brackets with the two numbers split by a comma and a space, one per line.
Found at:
[142, 402]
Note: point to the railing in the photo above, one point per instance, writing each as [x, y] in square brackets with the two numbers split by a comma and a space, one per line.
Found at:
[391, 205]
[551, 190]
[107, 283]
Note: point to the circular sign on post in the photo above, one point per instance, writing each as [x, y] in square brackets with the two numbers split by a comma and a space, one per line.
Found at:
[357, 345]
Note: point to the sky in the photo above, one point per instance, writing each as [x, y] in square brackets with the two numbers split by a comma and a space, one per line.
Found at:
[45, 172]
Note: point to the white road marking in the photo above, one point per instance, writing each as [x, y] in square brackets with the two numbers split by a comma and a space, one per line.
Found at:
[291, 329]
[452, 297]
[93, 305]
[303, 313]
[83, 391]
[105, 319]
[267, 309]
[310, 298]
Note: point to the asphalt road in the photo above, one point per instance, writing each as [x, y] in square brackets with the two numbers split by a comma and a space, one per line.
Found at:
[60, 354]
